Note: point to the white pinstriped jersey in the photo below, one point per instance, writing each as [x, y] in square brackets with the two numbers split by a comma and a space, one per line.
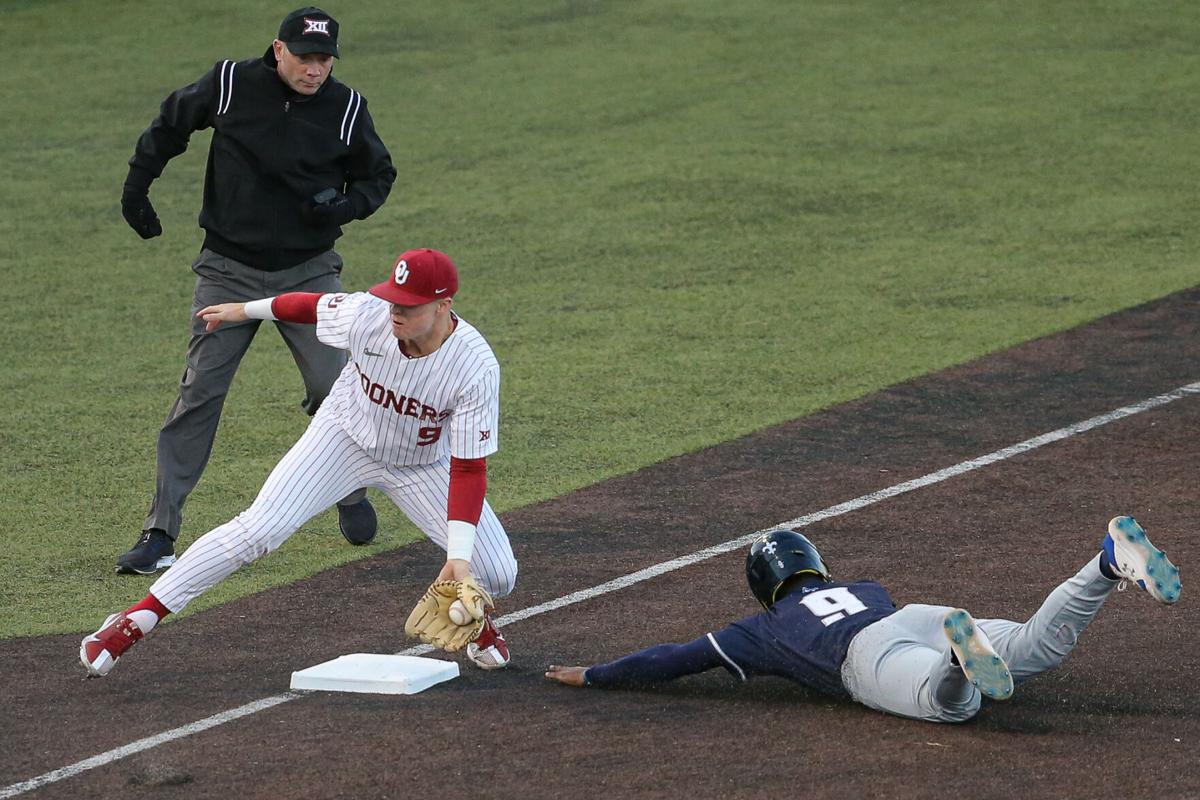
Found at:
[406, 411]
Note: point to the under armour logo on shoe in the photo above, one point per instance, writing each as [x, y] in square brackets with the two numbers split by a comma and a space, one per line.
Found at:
[315, 26]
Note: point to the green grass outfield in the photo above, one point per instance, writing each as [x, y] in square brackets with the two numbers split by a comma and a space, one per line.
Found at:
[677, 222]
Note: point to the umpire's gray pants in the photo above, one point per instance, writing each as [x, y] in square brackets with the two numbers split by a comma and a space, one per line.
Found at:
[901, 664]
[186, 439]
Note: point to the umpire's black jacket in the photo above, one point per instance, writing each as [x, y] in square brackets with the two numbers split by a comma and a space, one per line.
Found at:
[272, 150]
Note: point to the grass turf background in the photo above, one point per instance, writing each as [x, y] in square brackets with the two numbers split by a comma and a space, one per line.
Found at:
[677, 222]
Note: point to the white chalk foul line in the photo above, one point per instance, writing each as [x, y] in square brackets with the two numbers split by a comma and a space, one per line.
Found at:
[146, 744]
[631, 579]
[855, 504]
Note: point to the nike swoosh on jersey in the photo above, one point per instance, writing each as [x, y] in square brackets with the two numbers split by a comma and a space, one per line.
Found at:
[369, 353]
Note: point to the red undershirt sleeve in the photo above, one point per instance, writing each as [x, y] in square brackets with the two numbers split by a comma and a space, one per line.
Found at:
[296, 306]
[468, 485]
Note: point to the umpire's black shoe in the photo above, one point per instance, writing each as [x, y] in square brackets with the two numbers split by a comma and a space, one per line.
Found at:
[358, 522]
[154, 551]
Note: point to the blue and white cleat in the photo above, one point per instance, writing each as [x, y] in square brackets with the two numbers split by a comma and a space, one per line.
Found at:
[1134, 558]
[978, 661]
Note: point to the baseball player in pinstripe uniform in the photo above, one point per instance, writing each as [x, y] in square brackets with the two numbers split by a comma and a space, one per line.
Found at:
[294, 157]
[415, 414]
[927, 662]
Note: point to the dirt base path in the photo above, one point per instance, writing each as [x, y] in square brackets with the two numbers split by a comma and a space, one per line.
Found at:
[1121, 717]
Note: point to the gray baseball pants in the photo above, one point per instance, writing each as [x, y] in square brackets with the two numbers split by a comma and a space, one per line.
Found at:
[902, 665]
[186, 439]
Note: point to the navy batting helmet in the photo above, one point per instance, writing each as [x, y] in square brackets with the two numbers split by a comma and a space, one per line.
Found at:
[778, 555]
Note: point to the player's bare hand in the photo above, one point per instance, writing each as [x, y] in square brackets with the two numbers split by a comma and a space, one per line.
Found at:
[213, 316]
[455, 569]
[571, 676]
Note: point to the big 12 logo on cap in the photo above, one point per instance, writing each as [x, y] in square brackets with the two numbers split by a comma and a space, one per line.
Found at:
[315, 26]
[402, 272]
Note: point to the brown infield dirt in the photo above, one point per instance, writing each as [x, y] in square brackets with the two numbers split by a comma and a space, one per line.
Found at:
[1121, 717]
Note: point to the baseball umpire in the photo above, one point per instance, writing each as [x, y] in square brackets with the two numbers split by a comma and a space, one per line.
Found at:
[926, 662]
[294, 157]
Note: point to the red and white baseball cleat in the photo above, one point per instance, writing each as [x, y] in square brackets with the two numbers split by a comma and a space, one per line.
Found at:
[489, 650]
[99, 651]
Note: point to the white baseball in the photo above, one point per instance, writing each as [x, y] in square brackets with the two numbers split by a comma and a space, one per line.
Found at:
[459, 614]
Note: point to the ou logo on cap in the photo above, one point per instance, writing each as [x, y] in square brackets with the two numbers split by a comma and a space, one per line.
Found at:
[402, 272]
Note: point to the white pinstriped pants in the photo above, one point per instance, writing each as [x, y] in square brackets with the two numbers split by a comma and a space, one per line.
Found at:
[321, 468]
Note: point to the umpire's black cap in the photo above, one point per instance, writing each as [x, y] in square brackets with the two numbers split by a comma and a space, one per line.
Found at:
[309, 30]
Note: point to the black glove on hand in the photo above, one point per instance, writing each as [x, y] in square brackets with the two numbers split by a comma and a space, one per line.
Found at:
[140, 215]
[338, 210]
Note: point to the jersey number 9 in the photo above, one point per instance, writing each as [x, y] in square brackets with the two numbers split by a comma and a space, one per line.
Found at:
[830, 605]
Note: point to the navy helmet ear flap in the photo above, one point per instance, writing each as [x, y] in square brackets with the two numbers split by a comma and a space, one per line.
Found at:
[778, 555]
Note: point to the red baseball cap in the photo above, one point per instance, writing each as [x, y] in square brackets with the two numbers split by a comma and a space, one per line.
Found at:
[419, 277]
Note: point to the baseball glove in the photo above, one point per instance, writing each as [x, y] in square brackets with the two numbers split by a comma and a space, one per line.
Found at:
[475, 599]
[430, 619]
